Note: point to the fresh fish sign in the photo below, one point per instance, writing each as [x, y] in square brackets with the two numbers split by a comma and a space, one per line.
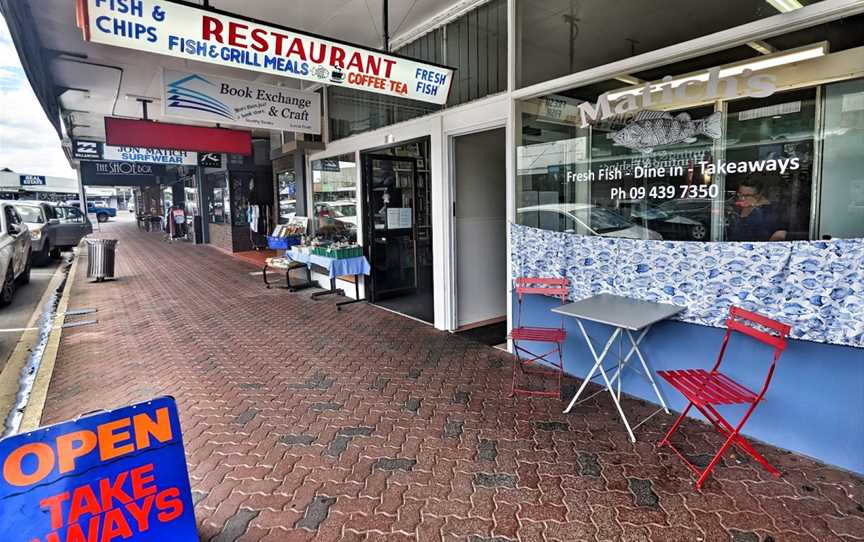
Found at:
[650, 129]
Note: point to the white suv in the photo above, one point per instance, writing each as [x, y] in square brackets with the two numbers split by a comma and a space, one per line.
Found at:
[14, 252]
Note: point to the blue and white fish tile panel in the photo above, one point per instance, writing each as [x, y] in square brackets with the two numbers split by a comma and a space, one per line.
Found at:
[817, 287]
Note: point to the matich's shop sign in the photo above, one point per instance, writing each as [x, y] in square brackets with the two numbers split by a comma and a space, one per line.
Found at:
[186, 31]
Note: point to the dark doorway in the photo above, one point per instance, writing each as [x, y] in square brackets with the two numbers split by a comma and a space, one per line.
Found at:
[397, 229]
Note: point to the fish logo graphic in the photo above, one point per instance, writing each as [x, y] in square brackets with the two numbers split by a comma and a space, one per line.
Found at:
[182, 95]
[651, 129]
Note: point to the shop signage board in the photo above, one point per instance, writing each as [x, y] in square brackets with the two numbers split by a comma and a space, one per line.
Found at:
[32, 180]
[210, 159]
[106, 173]
[191, 32]
[164, 135]
[116, 475]
[204, 97]
[86, 149]
[150, 156]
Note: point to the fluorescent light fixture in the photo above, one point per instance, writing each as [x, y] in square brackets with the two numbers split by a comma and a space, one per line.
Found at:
[762, 46]
[761, 63]
[785, 6]
[629, 79]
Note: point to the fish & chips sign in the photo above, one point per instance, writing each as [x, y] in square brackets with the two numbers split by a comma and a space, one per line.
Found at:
[111, 476]
[206, 35]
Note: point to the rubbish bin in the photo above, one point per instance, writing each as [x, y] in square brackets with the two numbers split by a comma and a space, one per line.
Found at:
[100, 258]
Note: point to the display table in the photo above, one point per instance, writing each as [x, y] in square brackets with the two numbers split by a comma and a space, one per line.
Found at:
[626, 315]
[287, 265]
[336, 267]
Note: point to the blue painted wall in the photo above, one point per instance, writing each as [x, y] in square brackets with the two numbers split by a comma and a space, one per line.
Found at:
[814, 406]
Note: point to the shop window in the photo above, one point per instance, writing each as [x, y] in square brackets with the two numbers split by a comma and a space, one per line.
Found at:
[220, 202]
[722, 152]
[287, 187]
[841, 204]
[560, 37]
[334, 197]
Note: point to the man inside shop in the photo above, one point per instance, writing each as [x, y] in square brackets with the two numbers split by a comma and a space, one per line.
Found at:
[756, 217]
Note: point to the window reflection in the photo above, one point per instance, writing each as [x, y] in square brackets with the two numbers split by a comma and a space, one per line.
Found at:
[334, 197]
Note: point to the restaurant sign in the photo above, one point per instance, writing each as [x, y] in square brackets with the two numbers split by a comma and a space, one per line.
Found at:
[207, 35]
[205, 97]
[117, 475]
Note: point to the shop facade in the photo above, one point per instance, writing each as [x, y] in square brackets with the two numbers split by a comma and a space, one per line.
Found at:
[739, 133]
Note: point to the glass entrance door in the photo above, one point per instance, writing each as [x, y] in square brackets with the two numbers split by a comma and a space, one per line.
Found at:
[391, 230]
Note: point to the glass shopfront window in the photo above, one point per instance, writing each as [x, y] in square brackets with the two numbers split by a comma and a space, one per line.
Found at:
[334, 197]
[726, 152]
[287, 189]
[219, 204]
[560, 37]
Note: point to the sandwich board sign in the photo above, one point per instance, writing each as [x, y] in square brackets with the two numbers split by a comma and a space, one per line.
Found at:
[116, 475]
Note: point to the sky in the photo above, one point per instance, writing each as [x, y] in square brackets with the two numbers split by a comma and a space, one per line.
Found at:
[28, 142]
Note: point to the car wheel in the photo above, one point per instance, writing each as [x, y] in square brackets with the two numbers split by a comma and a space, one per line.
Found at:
[102, 217]
[8, 290]
[55, 253]
[698, 232]
[44, 255]
[24, 277]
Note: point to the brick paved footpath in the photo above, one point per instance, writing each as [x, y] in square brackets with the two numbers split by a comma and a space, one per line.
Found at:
[302, 423]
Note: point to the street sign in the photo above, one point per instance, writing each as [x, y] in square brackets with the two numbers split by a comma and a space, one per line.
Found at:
[184, 30]
[117, 475]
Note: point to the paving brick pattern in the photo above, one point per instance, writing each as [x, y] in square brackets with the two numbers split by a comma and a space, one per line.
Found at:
[303, 423]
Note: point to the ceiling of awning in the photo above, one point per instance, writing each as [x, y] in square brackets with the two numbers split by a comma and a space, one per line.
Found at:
[96, 80]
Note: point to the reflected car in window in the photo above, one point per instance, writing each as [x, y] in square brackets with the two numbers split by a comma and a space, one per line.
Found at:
[669, 224]
[699, 210]
[582, 219]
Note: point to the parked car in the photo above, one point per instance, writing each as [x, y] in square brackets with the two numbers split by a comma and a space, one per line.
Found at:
[14, 252]
[583, 219]
[100, 209]
[52, 228]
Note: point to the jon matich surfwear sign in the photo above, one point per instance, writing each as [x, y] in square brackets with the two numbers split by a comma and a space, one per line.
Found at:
[183, 30]
[204, 97]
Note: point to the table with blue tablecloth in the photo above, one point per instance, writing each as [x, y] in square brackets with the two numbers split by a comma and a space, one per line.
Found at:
[336, 267]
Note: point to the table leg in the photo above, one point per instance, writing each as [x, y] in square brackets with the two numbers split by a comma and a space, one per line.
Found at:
[645, 367]
[598, 366]
[331, 291]
[622, 364]
[356, 295]
[598, 361]
[618, 405]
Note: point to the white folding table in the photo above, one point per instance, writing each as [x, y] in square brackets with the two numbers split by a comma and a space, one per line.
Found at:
[626, 315]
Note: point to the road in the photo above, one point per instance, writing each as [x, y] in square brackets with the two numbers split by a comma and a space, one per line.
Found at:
[17, 315]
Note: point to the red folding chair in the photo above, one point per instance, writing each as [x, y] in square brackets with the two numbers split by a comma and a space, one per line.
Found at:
[539, 364]
[705, 390]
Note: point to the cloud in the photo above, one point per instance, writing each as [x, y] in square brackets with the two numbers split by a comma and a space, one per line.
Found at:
[28, 142]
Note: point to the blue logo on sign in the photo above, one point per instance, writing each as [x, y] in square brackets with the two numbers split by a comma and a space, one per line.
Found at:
[182, 96]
